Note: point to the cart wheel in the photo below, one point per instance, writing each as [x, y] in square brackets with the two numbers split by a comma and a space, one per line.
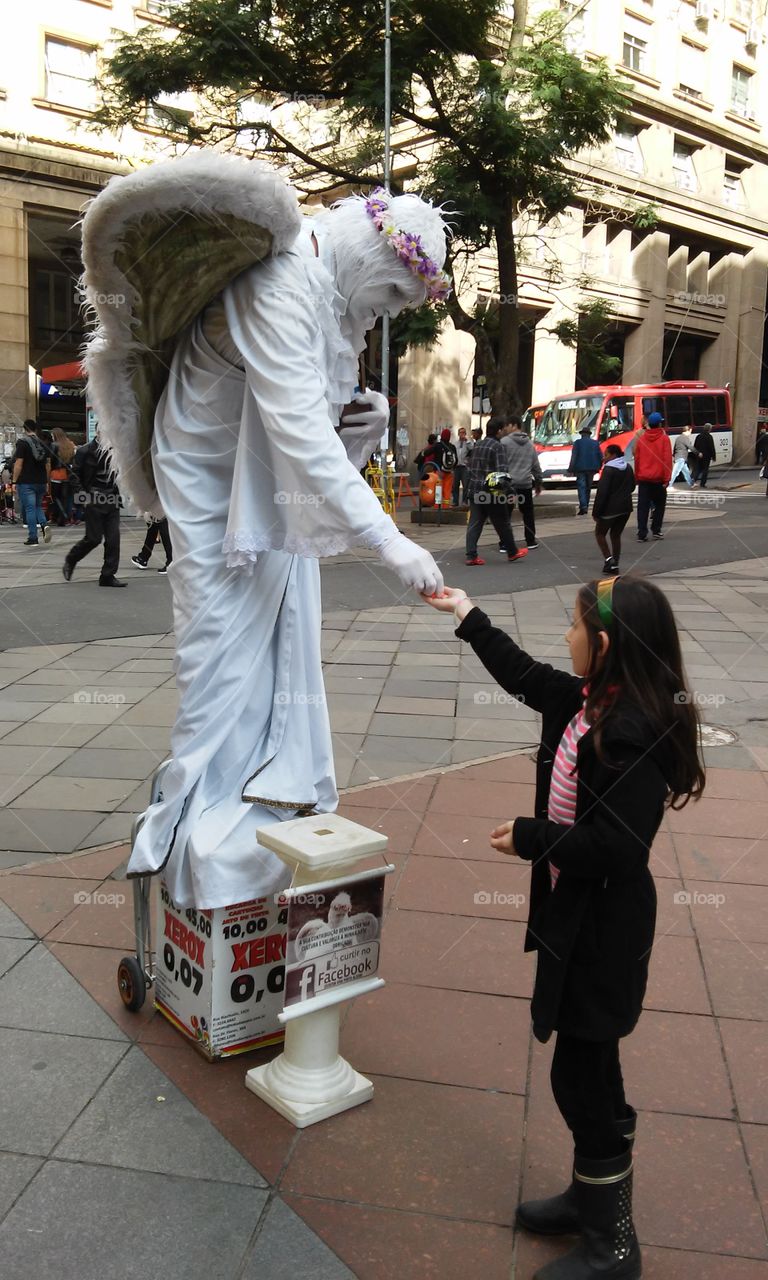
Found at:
[131, 983]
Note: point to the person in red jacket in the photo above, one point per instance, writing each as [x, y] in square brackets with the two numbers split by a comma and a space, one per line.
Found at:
[653, 468]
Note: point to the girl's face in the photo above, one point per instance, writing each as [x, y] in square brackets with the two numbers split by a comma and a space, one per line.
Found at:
[578, 640]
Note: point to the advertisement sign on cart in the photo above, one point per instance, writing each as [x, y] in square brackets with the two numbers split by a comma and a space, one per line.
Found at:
[333, 937]
[221, 973]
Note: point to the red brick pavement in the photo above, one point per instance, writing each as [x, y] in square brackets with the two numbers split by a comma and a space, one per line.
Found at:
[422, 1183]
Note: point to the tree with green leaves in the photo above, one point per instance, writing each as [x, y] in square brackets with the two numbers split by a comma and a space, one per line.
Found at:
[488, 111]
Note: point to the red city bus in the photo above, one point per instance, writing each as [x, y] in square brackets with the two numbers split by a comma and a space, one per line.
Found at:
[613, 414]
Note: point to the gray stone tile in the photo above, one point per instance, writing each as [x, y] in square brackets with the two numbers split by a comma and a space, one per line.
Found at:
[90, 713]
[45, 830]
[401, 726]
[286, 1249]
[138, 800]
[344, 684]
[115, 827]
[152, 711]
[509, 730]
[57, 793]
[140, 1120]
[36, 734]
[134, 737]
[15, 1173]
[12, 950]
[10, 924]
[410, 751]
[20, 712]
[45, 1082]
[13, 785]
[20, 858]
[99, 762]
[343, 721]
[17, 692]
[119, 1224]
[349, 670]
[417, 706]
[31, 760]
[39, 994]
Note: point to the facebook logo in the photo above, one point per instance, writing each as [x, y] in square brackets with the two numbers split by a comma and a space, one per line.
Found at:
[300, 984]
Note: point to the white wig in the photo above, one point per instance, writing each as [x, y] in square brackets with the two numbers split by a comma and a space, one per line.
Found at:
[363, 255]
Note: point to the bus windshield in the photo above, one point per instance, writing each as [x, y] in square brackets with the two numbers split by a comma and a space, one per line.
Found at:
[563, 419]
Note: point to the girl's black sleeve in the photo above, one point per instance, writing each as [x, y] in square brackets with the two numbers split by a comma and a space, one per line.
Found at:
[601, 495]
[511, 667]
[614, 836]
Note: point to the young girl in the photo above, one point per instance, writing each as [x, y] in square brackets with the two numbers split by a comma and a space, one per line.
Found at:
[619, 743]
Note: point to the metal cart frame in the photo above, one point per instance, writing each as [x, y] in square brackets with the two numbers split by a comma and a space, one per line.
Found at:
[136, 973]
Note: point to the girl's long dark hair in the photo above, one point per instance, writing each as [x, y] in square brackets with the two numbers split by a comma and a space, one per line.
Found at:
[645, 664]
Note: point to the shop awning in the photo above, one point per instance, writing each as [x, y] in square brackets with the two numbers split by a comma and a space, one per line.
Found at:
[72, 372]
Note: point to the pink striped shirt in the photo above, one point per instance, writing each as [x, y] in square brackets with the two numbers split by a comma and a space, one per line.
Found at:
[562, 790]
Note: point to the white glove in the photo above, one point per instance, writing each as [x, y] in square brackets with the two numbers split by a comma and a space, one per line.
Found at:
[413, 566]
[362, 432]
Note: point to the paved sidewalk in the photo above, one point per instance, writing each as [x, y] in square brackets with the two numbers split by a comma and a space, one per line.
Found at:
[111, 1122]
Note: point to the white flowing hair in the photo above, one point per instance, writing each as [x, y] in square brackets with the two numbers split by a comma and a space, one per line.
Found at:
[363, 255]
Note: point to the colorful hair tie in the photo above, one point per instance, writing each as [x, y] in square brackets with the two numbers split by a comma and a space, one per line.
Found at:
[605, 601]
[407, 246]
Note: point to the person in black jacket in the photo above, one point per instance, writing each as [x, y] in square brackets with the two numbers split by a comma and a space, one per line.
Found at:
[612, 506]
[92, 468]
[704, 455]
[619, 743]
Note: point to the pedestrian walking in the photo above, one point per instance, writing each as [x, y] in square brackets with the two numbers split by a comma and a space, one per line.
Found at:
[524, 471]
[461, 470]
[653, 467]
[31, 468]
[486, 500]
[619, 745]
[431, 453]
[586, 459]
[704, 449]
[101, 499]
[448, 460]
[761, 451]
[157, 531]
[612, 506]
[681, 451]
[61, 481]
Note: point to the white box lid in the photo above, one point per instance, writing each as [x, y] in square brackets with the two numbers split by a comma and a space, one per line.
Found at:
[322, 840]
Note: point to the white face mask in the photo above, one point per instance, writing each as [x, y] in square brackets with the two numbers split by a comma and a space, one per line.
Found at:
[367, 303]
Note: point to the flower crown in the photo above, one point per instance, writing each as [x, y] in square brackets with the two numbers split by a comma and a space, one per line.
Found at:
[408, 247]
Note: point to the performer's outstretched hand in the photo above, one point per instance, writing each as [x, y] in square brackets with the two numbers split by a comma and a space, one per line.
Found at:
[413, 566]
[361, 432]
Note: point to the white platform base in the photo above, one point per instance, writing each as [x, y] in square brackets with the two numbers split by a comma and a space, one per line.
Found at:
[303, 1114]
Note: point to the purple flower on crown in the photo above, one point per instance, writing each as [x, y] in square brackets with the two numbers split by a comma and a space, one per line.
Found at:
[408, 247]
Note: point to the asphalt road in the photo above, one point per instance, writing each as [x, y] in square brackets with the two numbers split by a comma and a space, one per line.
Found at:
[57, 612]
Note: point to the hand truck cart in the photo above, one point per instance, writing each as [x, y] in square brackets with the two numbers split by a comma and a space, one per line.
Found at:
[136, 974]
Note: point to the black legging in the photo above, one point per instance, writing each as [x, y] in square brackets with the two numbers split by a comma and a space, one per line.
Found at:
[589, 1091]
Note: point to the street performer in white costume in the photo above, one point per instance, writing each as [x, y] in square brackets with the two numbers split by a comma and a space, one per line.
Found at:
[226, 349]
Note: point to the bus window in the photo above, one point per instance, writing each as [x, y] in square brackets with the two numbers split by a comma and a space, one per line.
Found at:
[678, 415]
[721, 412]
[618, 417]
[653, 404]
[705, 409]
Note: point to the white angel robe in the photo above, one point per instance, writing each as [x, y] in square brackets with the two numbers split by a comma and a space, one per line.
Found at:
[256, 484]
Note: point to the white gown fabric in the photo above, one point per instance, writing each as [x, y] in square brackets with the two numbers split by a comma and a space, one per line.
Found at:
[256, 485]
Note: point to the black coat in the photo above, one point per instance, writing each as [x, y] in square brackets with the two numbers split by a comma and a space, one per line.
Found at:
[594, 931]
[613, 496]
[705, 445]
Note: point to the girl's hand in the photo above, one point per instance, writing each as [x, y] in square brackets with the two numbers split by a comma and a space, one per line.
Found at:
[501, 839]
[452, 600]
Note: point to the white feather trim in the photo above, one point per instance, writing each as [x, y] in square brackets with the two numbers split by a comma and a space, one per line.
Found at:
[203, 182]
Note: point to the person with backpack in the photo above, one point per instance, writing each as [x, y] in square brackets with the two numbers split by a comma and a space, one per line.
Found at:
[488, 499]
[100, 497]
[31, 469]
[448, 462]
[619, 748]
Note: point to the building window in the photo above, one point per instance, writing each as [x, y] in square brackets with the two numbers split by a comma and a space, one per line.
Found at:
[158, 7]
[628, 153]
[692, 70]
[57, 312]
[741, 92]
[70, 71]
[574, 31]
[733, 191]
[741, 11]
[683, 170]
[635, 49]
[172, 114]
